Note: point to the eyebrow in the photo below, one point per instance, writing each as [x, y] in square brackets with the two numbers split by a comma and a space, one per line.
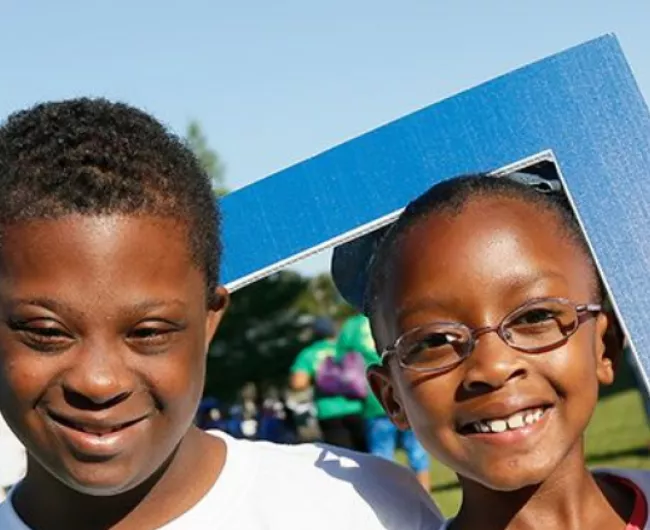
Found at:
[58, 307]
[517, 284]
[422, 304]
[150, 305]
[48, 303]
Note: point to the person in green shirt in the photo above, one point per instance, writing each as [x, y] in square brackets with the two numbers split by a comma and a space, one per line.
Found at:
[382, 436]
[341, 419]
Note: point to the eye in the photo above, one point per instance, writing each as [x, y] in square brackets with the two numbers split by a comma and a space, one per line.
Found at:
[538, 321]
[438, 340]
[44, 335]
[431, 346]
[153, 334]
[148, 333]
[535, 316]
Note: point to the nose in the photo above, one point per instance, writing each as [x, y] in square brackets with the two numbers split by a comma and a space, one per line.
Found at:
[491, 365]
[99, 378]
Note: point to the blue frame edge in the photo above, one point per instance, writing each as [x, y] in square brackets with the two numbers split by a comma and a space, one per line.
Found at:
[582, 104]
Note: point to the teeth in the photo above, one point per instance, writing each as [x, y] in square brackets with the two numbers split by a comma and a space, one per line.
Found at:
[498, 425]
[89, 431]
[96, 432]
[514, 422]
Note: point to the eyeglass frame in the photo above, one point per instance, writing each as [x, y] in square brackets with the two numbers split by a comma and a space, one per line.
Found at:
[474, 334]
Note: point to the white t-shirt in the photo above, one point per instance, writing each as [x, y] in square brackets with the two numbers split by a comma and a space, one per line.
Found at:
[13, 461]
[639, 477]
[265, 486]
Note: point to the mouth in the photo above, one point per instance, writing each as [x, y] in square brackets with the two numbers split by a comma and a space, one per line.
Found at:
[97, 429]
[519, 420]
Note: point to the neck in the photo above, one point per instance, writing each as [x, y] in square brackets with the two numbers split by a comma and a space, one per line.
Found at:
[571, 499]
[44, 503]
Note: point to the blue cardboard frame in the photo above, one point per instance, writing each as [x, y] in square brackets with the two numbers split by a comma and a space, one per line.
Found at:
[580, 108]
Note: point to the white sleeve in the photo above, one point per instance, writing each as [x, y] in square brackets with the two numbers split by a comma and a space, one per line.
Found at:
[398, 500]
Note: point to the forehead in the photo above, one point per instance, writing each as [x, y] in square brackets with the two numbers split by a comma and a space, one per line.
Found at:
[492, 245]
[101, 255]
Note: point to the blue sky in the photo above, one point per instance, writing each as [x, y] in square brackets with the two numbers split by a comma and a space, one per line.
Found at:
[276, 82]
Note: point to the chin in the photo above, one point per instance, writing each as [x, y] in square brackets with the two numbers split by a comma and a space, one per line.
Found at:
[512, 479]
[101, 481]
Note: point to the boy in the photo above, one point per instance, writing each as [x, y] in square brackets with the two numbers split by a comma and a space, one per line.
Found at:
[109, 258]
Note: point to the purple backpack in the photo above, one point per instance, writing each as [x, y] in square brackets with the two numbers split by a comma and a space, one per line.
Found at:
[343, 377]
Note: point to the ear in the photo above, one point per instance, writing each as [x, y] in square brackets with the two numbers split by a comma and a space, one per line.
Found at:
[219, 302]
[609, 346]
[384, 389]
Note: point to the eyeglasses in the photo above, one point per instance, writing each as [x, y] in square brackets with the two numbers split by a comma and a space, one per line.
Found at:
[537, 326]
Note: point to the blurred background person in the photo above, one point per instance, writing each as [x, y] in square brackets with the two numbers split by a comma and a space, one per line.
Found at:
[340, 418]
[243, 417]
[210, 415]
[382, 436]
[273, 419]
[302, 415]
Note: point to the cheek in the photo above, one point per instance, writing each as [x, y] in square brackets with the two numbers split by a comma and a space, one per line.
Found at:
[23, 376]
[177, 378]
[428, 403]
[24, 380]
[571, 369]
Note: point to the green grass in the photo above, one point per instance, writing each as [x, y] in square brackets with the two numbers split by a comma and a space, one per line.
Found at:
[618, 436]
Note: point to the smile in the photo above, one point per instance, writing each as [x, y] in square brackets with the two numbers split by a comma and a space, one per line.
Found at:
[97, 428]
[98, 439]
[514, 422]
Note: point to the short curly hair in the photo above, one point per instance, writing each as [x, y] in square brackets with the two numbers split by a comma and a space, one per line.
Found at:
[95, 157]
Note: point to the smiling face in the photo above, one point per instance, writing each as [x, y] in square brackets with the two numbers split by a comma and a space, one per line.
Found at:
[475, 268]
[103, 334]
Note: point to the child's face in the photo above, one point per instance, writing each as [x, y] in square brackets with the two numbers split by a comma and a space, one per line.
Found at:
[475, 268]
[103, 334]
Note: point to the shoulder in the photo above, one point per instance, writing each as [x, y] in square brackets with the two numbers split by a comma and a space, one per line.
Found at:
[309, 357]
[328, 479]
[317, 348]
[352, 328]
[303, 360]
[390, 490]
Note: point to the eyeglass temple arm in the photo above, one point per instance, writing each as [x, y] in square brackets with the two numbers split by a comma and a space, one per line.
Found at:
[589, 308]
[385, 354]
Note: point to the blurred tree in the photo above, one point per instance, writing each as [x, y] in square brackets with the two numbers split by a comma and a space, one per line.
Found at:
[321, 298]
[260, 335]
[198, 143]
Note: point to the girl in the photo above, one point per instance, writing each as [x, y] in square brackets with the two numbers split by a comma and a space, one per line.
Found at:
[486, 304]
